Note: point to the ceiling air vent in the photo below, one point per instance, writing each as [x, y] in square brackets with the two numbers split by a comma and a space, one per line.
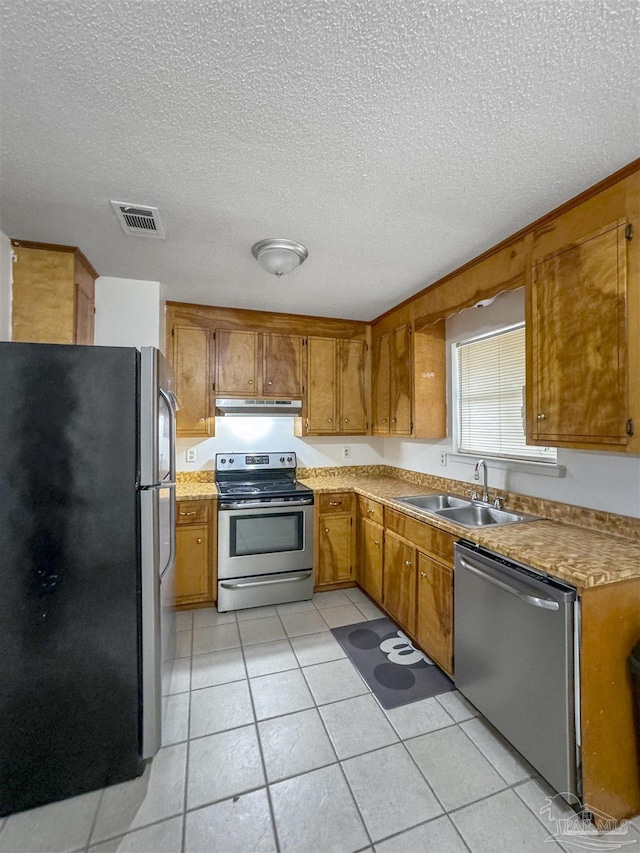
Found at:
[139, 220]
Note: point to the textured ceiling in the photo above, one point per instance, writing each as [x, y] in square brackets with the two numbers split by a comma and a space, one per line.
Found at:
[396, 139]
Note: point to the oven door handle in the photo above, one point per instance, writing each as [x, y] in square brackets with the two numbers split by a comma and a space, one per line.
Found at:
[242, 584]
[274, 504]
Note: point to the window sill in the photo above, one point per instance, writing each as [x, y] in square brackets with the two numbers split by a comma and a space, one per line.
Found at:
[542, 469]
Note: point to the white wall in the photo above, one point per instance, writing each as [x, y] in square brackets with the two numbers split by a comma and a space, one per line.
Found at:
[607, 481]
[6, 281]
[274, 435]
[128, 313]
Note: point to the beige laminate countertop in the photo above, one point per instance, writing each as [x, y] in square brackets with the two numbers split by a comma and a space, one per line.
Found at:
[577, 555]
[196, 492]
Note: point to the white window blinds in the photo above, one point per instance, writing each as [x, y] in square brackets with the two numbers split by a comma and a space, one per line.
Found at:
[491, 378]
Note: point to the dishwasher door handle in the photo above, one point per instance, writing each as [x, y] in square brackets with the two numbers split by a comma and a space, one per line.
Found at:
[533, 600]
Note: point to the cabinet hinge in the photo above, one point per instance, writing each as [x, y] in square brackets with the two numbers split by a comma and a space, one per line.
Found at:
[630, 426]
[351, 522]
[214, 336]
[411, 427]
[628, 232]
[173, 333]
[213, 386]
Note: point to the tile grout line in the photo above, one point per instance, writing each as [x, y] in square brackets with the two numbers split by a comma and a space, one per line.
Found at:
[186, 771]
[342, 771]
[274, 825]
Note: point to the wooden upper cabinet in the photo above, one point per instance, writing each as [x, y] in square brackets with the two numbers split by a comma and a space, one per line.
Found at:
[400, 370]
[321, 385]
[380, 404]
[281, 365]
[577, 342]
[191, 364]
[392, 367]
[352, 415]
[236, 362]
[336, 387]
[53, 294]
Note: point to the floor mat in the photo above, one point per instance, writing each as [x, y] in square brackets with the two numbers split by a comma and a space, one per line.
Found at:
[396, 671]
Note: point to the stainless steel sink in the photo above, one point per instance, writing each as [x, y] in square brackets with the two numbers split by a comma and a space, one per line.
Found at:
[431, 503]
[462, 511]
[480, 515]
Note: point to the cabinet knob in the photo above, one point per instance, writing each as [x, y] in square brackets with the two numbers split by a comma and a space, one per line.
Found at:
[384, 420]
[201, 420]
[269, 382]
[393, 420]
[369, 510]
[251, 382]
[326, 530]
[407, 562]
[335, 503]
[346, 420]
[329, 420]
[542, 417]
[193, 512]
[199, 540]
[376, 541]
[423, 574]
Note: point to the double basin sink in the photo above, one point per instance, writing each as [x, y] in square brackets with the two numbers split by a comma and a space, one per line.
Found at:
[468, 513]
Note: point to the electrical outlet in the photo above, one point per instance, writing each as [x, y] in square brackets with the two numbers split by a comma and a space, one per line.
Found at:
[191, 454]
[346, 452]
[443, 460]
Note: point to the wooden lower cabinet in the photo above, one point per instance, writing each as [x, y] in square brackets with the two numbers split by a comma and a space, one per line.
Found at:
[335, 542]
[434, 623]
[399, 587]
[370, 558]
[196, 579]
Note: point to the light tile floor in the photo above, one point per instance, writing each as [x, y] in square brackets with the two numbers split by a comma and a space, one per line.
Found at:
[273, 742]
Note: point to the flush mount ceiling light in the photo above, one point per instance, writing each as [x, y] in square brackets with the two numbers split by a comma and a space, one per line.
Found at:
[279, 257]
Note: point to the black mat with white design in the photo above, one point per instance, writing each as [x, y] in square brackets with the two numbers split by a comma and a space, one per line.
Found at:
[396, 671]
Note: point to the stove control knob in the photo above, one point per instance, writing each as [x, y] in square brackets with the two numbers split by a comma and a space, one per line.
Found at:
[289, 459]
[231, 461]
[223, 461]
[282, 458]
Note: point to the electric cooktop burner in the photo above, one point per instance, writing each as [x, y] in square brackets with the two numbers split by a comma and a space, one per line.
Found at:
[243, 475]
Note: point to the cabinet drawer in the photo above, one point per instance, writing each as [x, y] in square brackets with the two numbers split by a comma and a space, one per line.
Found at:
[427, 538]
[369, 509]
[190, 512]
[338, 502]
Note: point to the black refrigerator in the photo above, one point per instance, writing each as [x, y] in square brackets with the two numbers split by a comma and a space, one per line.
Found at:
[87, 548]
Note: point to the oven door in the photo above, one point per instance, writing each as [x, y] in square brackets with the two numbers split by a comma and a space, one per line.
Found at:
[264, 540]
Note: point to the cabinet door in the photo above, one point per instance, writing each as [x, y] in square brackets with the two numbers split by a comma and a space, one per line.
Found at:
[370, 558]
[335, 549]
[84, 317]
[193, 577]
[578, 336]
[321, 386]
[191, 366]
[353, 402]
[434, 628]
[400, 373]
[281, 365]
[236, 362]
[400, 581]
[380, 384]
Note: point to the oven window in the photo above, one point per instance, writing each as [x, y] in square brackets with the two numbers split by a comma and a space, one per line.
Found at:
[266, 534]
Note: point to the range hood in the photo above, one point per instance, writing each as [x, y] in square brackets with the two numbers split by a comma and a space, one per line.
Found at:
[259, 408]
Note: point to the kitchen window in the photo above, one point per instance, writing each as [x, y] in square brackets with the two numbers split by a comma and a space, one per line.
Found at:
[489, 378]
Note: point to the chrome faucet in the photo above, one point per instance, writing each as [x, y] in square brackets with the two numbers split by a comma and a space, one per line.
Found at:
[476, 476]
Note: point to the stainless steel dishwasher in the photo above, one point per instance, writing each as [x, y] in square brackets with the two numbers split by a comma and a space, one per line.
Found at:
[516, 658]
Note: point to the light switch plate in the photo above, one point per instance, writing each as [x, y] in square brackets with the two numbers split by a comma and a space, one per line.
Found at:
[191, 454]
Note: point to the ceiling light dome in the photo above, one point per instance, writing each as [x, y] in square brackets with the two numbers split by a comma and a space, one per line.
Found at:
[279, 257]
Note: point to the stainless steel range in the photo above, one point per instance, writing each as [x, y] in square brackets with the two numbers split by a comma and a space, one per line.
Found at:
[265, 531]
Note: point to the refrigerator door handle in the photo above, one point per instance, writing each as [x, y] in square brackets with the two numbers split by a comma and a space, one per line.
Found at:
[172, 537]
[169, 399]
